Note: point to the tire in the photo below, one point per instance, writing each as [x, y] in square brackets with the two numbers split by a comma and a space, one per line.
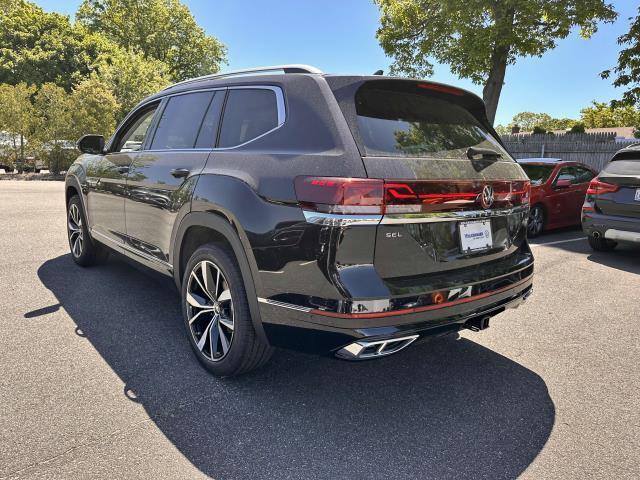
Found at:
[601, 244]
[216, 314]
[535, 225]
[84, 251]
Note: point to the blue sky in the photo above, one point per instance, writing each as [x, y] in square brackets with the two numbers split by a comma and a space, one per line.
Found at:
[338, 36]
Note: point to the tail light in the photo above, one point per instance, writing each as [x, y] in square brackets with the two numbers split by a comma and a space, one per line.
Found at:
[598, 187]
[341, 195]
[371, 196]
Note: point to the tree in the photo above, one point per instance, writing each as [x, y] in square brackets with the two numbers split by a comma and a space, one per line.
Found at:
[37, 47]
[16, 117]
[577, 128]
[628, 69]
[164, 30]
[478, 38]
[601, 115]
[93, 109]
[131, 77]
[52, 108]
[528, 120]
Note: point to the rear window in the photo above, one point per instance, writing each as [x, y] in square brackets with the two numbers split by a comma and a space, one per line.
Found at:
[627, 163]
[538, 174]
[405, 124]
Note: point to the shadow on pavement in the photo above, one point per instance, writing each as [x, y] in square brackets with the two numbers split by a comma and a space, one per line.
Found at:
[624, 257]
[448, 408]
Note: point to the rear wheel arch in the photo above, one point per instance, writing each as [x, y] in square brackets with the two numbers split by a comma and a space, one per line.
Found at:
[200, 228]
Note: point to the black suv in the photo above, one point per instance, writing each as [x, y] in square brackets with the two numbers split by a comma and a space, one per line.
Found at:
[342, 215]
[611, 210]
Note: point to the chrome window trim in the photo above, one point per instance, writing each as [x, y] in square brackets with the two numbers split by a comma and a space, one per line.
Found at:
[340, 220]
[400, 218]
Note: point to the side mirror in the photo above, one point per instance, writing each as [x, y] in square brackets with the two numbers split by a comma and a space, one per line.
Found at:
[93, 144]
[563, 184]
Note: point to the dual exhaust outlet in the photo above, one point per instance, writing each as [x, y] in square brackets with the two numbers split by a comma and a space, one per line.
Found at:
[364, 350]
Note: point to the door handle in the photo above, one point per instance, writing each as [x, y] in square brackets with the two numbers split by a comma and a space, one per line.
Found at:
[180, 172]
[122, 170]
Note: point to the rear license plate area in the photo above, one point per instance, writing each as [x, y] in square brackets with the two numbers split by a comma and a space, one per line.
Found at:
[475, 236]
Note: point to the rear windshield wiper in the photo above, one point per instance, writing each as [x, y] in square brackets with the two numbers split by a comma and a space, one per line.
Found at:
[485, 152]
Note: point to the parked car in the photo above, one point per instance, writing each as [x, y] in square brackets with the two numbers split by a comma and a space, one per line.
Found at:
[611, 211]
[557, 192]
[333, 214]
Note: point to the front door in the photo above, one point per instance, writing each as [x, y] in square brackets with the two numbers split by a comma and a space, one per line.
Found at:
[563, 198]
[162, 177]
[107, 179]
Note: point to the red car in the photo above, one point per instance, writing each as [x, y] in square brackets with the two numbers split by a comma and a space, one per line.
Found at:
[558, 189]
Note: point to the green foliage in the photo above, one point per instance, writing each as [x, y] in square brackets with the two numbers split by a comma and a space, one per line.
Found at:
[37, 47]
[577, 128]
[131, 77]
[601, 115]
[164, 30]
[93, 109]
[539, 130]
[529, 120]
[16, 120]
[503, 129]
[52, 124]
[477, 38]
[628, 69]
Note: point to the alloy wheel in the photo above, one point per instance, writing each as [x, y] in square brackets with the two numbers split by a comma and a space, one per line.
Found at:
[74, 224]
[210, 310]
[536, 221]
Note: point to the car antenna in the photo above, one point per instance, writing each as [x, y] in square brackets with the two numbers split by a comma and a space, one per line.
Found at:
[378, 72]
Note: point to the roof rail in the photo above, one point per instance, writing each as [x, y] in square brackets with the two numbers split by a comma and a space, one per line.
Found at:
[292, 68]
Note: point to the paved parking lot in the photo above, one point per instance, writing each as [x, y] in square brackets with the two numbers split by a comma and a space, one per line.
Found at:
[97, 379]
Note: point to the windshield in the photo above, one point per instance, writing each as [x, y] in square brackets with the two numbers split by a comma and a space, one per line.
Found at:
[538, 174]
[407, 124]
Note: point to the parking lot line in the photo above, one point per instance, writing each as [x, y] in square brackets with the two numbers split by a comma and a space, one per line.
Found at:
[557, 242]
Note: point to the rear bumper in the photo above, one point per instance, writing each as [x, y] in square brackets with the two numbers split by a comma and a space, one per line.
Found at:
[298, 328]
[616, 228]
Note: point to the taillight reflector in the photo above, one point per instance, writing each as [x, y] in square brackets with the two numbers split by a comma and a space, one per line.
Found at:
[598, 187]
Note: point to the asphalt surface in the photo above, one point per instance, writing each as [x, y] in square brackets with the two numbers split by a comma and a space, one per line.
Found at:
[97, 379]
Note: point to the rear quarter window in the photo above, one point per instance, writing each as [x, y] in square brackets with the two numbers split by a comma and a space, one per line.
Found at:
[248, 114]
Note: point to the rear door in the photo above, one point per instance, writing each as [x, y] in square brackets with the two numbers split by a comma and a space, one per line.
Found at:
[161, 176]
[624, 173]
[454, 197]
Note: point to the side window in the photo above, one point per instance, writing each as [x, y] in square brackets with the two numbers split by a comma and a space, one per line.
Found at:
[209, 128]
[583, 175]
[180, 122]
[133, 137]
[248, 114]
[567, 173]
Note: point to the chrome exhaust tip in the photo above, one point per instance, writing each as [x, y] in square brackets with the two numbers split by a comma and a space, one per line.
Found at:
[363, 350]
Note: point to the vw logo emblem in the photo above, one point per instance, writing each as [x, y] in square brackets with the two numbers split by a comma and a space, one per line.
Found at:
[486, 197]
